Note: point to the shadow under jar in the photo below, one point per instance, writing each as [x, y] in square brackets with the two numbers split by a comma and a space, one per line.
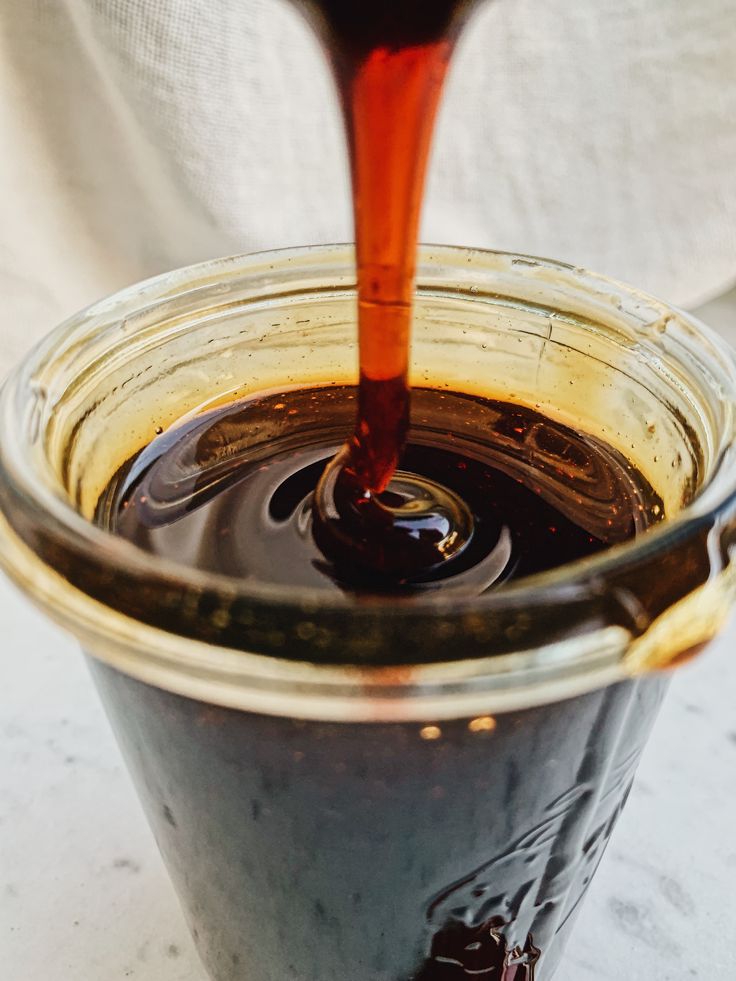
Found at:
[401, 787]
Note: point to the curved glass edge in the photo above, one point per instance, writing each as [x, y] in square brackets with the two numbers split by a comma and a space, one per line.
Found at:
[325, 692]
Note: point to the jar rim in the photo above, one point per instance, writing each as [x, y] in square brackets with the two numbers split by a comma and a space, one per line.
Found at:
[596, 651]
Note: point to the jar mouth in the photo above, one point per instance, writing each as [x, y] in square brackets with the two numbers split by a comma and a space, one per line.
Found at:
[583, 615]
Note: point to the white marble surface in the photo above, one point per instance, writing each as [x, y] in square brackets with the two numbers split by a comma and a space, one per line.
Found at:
[84, 896]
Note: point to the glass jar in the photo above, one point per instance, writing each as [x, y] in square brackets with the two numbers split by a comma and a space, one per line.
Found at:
[389, 789]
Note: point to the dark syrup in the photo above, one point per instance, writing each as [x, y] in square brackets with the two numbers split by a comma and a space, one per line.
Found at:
[485, 492]
[390, 61]
[231, 491]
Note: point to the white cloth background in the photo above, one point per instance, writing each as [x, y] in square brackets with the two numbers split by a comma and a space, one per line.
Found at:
[137, 135]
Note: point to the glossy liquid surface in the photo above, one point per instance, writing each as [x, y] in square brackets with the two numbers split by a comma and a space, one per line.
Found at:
[231, 491]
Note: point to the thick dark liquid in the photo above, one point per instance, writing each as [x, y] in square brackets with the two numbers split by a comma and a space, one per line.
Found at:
[390, 62]
[420, 854]
[425, 853]
[316, 851]
[231, 490]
